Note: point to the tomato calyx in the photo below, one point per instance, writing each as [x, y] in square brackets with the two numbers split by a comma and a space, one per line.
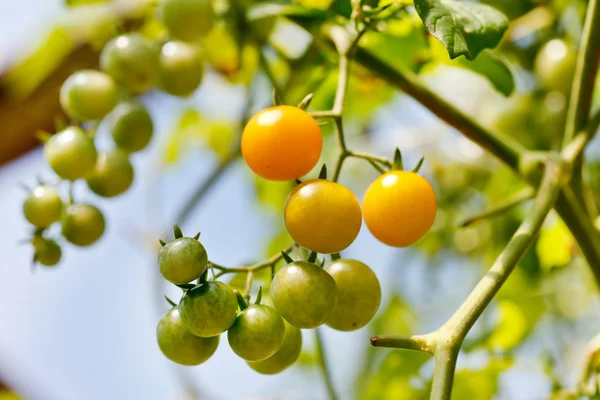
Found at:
[397, 164]
[241, 300]
[305, 102]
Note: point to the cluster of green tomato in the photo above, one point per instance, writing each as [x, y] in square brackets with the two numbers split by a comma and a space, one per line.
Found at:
[344, 295]
[130, 65]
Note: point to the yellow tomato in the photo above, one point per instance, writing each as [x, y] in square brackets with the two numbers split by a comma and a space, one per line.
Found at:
[322, 216]
[399, 208]
[282, 143]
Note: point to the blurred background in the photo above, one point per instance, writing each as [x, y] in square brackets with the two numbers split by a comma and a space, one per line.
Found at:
[85, 329]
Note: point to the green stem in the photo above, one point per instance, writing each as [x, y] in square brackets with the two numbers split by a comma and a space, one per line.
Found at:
[422, 343]
[443, 373]
[499, 208]
[580, 101]
[322, 360]
[505, 148]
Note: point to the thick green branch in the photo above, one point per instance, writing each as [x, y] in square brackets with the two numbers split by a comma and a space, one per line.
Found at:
[582, 90]
[506, 149]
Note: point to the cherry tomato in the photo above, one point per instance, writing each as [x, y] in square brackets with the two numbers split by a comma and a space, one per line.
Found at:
[71, 153]
[282, 143]
[179, 345]
[208, 309]
[82, 224]
[113, 174]
[187, 20]
[43, 206]
[47, 251]
[283, 358]
[181, 68]
[182, 260]
[130, 126]
[322, 216]
[358, 295]
[399, 208]
[257, 333]
[132, 62]
[88, 95]
[304, 294]
[555, 65]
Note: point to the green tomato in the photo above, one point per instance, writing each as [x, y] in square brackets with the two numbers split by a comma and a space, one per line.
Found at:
[179, 345]
[132, 62]
[181, 68]
[82, 224]
[130, 126]
[182, 260]
[187, 20]
[555, 65]
[358, 295]
[43, 206]
[304, 294]
[208, 309]
[113, 174]
[285, 356]
[47, 252]
[71, 153]
[88, 95]
[257, 333]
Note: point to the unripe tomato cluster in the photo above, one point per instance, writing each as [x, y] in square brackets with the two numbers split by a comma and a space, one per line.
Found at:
[130, 64]
[345, 295]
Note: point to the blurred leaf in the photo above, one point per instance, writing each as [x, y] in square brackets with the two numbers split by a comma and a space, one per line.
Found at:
[25, 76]
[465, 28]
[511, 328]
[263, 10]
[481, 384]
[555, 245]
[192, 127]
[487, 64]
[272, 194]
[318, 4]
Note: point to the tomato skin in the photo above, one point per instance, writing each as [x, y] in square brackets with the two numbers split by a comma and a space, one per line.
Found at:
[208, 309]
[304, 294]
[399, 208]
[257, 333]
[83, 224]
[182, 260]
[282, 143]
[187, 20]
[131, 61]
[47, 251]
[358, 295]
[71, 153]
[43, 206]
[131, 126]
[181, 68]
[283, 358]
[555, 65]
[113, 174]
[322, 216]
[88, 95]
[180, 345]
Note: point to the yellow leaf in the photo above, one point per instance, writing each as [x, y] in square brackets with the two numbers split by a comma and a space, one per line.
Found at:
[555, 245]
[512, 326]
[319, 4]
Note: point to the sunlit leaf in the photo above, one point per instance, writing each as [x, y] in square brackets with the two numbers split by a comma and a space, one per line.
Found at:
[318, 4]
[479, 384]
[75, 3]
[555, 245]
[511, 329]
[465, 28]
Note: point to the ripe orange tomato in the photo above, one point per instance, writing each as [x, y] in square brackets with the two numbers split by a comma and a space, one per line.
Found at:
[399, 208]
[282, 143]
[322, 216]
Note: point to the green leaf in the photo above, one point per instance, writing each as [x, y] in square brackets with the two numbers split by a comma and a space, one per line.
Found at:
[465, 28]
[494, 68]
[264, 10]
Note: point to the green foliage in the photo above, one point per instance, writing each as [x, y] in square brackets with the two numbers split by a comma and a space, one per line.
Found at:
[76, 3]
[465, 28]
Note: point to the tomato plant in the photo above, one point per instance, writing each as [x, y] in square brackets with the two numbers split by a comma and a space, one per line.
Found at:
[533, 108]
